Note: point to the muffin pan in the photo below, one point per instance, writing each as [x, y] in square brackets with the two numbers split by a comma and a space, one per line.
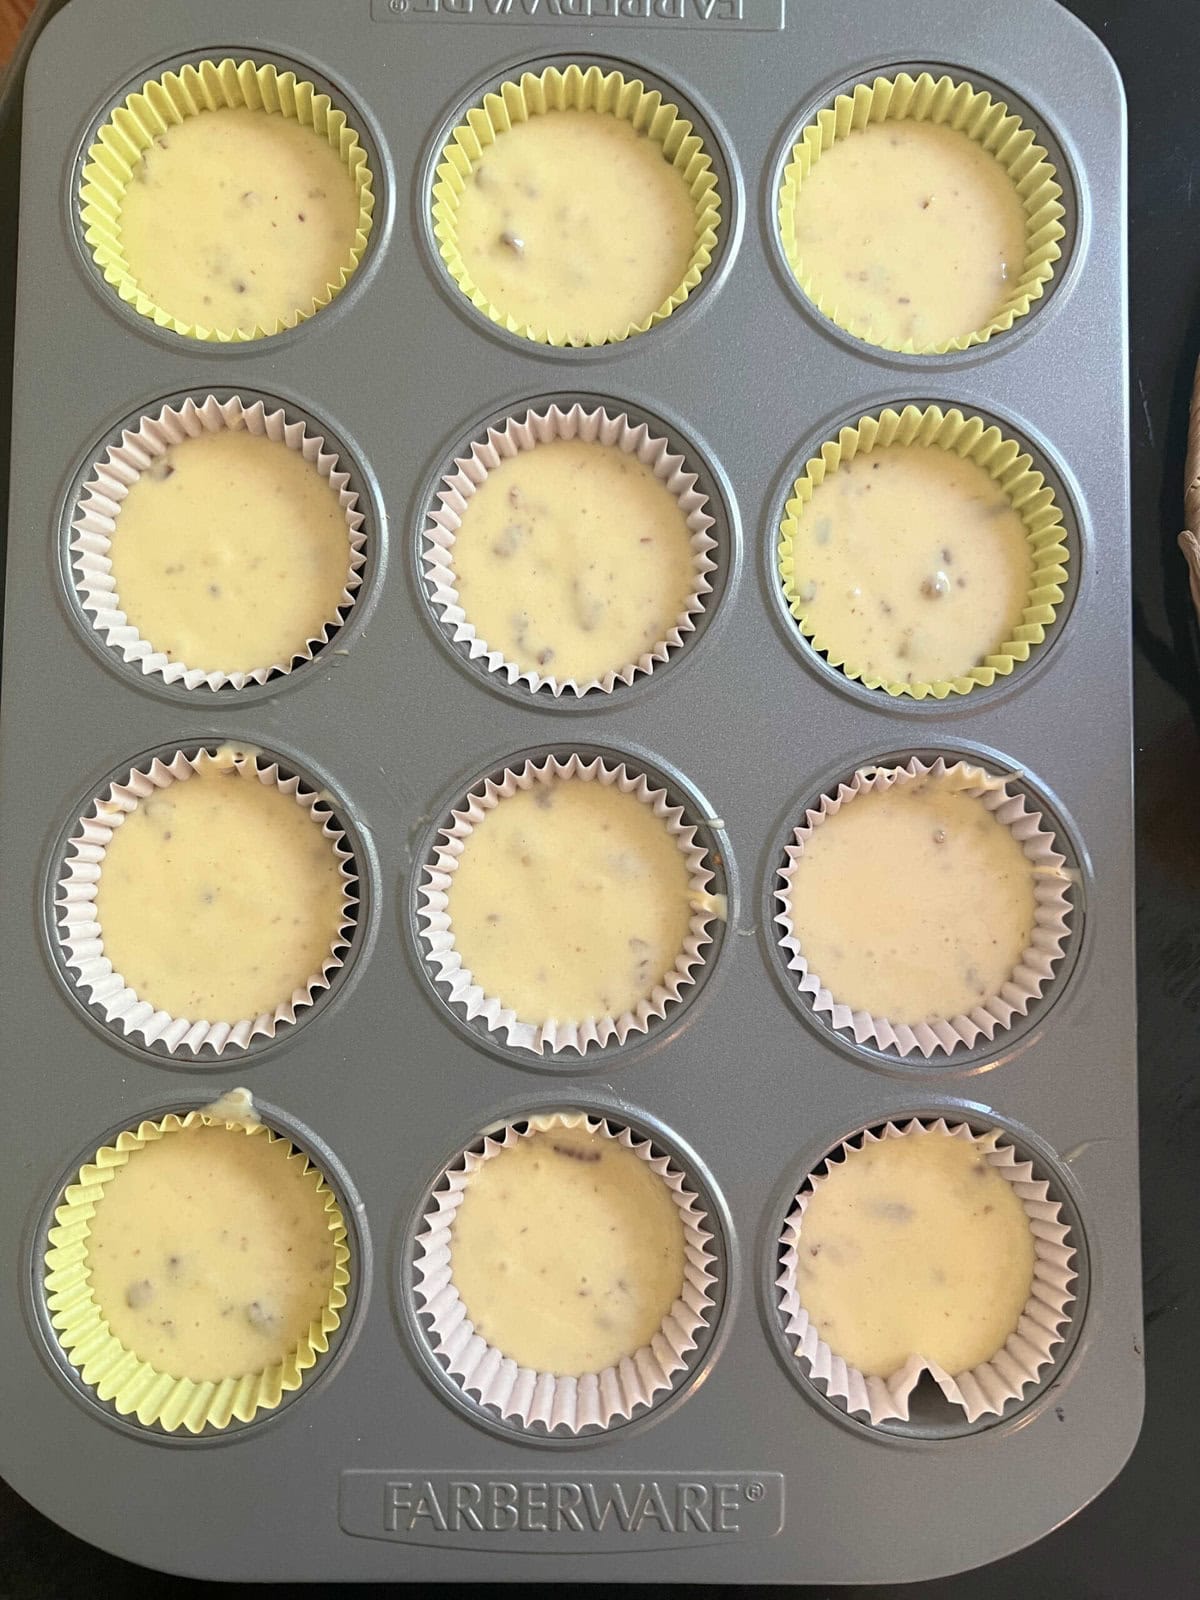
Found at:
[378, 1467]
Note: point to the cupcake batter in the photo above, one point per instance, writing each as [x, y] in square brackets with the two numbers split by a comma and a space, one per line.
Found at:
[915, 1247]
[210, 1253]
[230, 552]
[575, 223]
[910, 564]
[237, 219]
[571, 900]
[567, 1250]
[913, 902]
[909, 232]
[573, 559]
[218, 895]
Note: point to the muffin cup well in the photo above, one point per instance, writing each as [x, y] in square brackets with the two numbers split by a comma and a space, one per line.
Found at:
[1031, 975]
[990, 124]
[576, 89]
[123, 1379]
[82, 937]
[437, 930]
[1027, 493]
[97, 518]
[541, 1400]
[983, 1390]
[519, 434]
[164, 103]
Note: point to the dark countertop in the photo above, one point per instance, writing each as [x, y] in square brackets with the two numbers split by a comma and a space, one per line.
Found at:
[1142, 1536]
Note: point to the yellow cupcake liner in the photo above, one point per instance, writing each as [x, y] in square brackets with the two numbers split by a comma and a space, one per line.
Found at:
[119, 1377]
[163, 103]
[576, 89]
[968, 110]
[1027, 492]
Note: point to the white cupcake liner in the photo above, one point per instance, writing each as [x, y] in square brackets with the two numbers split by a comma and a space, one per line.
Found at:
[526, 433]
[539, 1400]
[81, 935]
[981, 1391]
[1052, 910]
[552, 1034]
[98, 509]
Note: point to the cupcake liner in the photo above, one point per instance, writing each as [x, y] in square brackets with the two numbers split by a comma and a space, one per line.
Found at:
[1024, 487]
[132, 1386]
[163, 103]
[984, 1390]
[551, 1034]
[576, 89]
[526, 433]
[98, 510]
[1052, 911]
[81, 935]
[539, 1400]
[973, 112]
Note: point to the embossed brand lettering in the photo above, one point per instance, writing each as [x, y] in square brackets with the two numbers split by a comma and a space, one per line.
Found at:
[764, 16]
[600, 1512]
[556, 1506]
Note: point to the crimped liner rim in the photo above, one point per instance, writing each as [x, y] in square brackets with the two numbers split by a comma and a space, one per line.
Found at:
[1027, 492]
[96, 518]
[1032, 974]
[985, 120]
[504, 441]
[540, 1400]
[164, 102]
[589, 89]
[129, 1384]
[446, 964]
[80, 936]
[981, 1391]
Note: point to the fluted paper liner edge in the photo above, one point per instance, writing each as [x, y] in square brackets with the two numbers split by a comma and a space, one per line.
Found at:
[579, 89]
[96, 518]
[1026, 491]
[552, 1034]
[163, 103]
[542, 1399]
[990, 124]
[507, 440]
[1031, 975]
[133, 1386]
[81, 936]
[981, 1391]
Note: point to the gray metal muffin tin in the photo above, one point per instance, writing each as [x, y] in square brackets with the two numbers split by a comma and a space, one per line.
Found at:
[381, 1082]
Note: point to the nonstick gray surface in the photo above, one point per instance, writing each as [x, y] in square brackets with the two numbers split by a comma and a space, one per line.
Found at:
[382, 1082]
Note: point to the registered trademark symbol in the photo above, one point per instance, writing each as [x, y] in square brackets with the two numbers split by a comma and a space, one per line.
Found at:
[755, 1490]
[398, 5]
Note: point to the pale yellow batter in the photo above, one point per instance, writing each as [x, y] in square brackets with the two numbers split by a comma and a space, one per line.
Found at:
[218, 896]
[573, 559]
[237, 219]
[915, 1247]
[910, 564]
[913, 902]
[210, 1253]
[571, 900]
[567, 1250]
[574, 222]
[230, 552]
[909, 231]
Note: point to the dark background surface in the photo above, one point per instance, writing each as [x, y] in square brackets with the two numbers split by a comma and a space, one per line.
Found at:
[1142, 1536]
